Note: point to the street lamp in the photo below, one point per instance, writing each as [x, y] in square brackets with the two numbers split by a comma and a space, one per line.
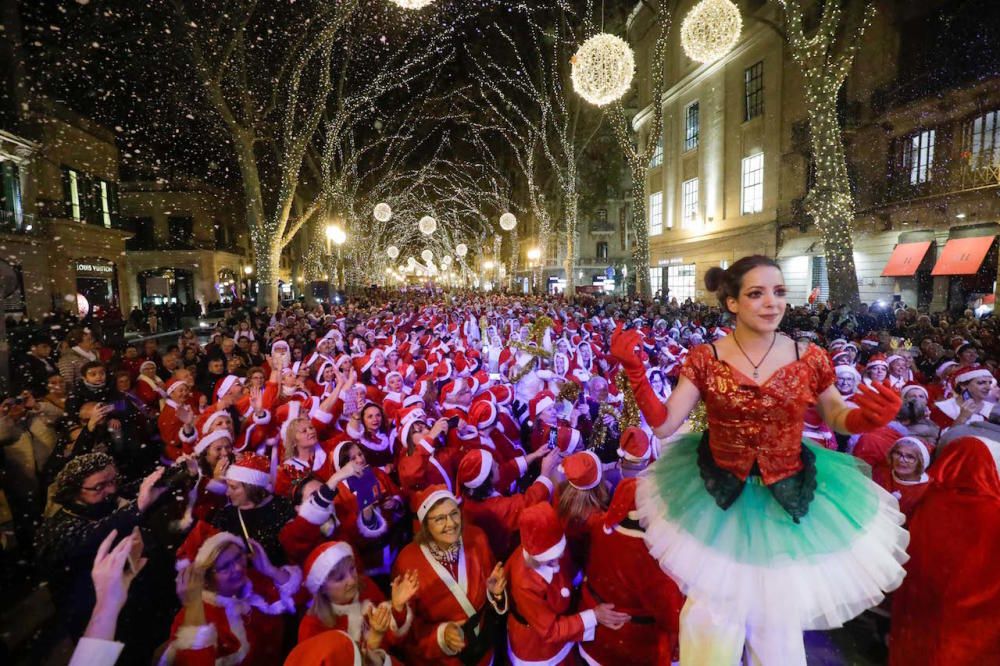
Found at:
[534, 254]
[335, 234]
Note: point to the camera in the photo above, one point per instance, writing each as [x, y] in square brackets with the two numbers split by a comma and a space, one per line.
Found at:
[174, 477]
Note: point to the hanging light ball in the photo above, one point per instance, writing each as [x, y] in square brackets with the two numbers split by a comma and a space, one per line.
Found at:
[427, 255]
[382, 212]
[508, 221]
[392, 251]
[412, 4]
[710, 30]
[461, 249]
[446, 260]
[427, 225]
[603, 68]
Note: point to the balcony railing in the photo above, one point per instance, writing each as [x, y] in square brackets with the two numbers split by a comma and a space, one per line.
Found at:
[18, 224]
[951, 177]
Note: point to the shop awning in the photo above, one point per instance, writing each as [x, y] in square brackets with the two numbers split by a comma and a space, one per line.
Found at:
[963, 256]
[906, 259]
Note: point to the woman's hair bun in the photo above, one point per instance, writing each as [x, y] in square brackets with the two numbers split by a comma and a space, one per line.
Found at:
[714, 278]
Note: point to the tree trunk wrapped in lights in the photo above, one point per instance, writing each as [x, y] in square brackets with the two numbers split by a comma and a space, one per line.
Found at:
[825, 58]
[639, 160]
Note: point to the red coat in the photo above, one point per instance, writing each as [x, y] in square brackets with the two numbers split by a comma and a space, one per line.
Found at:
[321, 466]
[435, 604]
[873, 447]
[623, 573]
[549, 629]
[947, 608]
[255, 639]
[498, 516]
[174, 441]
[425, 467]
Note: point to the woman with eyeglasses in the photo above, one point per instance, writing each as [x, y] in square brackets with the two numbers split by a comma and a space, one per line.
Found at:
[462, 586]
[908, 459]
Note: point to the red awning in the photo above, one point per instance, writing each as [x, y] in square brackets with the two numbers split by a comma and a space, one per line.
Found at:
[963, 256]
[906, 259]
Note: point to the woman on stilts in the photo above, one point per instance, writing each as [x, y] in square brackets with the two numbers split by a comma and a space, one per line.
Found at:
[767, 535]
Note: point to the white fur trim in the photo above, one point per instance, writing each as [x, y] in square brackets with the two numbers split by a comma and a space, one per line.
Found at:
[213, 542]
[227, 384]
[551, 553]
[373, 533]
[320, 415]
[247, 475]
[431, 500]
[195, 638]
[440, 638]
[211, 437]
[313, 513]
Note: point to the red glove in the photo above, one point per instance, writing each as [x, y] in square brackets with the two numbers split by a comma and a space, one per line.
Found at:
[623, 344]
[876, 408]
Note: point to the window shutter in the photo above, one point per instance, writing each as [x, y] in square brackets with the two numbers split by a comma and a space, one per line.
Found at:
[67, 193]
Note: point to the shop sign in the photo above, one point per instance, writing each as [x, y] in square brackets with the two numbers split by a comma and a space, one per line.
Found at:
[93, 268]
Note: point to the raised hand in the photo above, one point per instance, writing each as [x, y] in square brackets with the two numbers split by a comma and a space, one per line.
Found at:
[497, 582]
[623, 347]
[403, 589]
[876, 407]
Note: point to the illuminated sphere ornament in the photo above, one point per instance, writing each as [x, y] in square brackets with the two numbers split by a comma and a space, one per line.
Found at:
[603, 69]
[446, 260]
[427, 255]
[427, 225]
[508, 221]
[392, 251]
[383, 212]
[461, 249]
[711, 29]
[412, 4]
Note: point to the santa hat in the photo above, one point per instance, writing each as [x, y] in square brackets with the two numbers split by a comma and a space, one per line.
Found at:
[925, 454]
[428, 497]
[583, 470]
[174, 384]
[202, 543]
[502, 394]
[224, 384]
[894, 357]
[542, 535]
[848, 370]
[913, 388]
[945, 368]
[483, 414]
[212, 418]
[407, 419]
[876, 360]
[450, 390]
[970, 373]
[839, 343]
[365, 363]
[144, 364]
[622, 505]
[343, 440]
[567, 440]
[327, 648]
[633, 445]
[280, 344]
[475, 468]
[391, 374]
[252, 469]
[211, 437]
[542, 401]
[841, 357]
[322, 560]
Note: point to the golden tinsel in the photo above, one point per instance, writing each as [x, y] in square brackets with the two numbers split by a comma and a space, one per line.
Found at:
[630, 410]
[537, 334]
[569, 391]
[698, 418]
[600, 430]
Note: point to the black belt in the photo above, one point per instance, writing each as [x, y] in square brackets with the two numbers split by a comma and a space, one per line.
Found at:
[635, 619]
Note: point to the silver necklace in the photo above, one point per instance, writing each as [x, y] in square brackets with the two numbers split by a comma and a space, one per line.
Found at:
[756, 373]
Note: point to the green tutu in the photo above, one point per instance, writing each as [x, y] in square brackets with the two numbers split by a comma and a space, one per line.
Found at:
[754, 560]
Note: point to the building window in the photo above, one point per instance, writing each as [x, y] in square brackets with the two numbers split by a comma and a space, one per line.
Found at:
[918, 156]
[181, 230]
[691, 126]
[752, 200]
[680, 281]
[655, 213]
[689, 202]
[73, 195]
[655, 279]
[602, 250]
[753, 91]
[105, 205]
[657, 158]
[11, 212]
[982, 141]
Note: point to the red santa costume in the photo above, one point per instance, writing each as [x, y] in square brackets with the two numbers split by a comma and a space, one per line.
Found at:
[177, 439]
[908, 493]
[425, 465]
[541, 629]
[944, 413]
[450, 592]
[150, 390]
[621, 571]
[335, 648]
[946, 610]
[241, 630]
[497, 516]
[349, 618]
[318, 464]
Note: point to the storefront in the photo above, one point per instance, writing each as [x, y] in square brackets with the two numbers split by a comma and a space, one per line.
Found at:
[969, 262]
[911, 263]
[162, 286]
[226, 285]
[97, 282]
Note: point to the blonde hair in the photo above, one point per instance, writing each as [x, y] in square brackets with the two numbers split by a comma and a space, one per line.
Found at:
[290, 436]
[322, 606]
[575, 506]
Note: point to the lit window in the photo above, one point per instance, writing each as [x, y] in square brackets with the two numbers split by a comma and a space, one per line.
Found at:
[691, 126]
[689, 202]
[655, 279]
[752, 200]
[74, 194]
[657, 158]
[918, 156]
[655, 213]
[680, 281]
[105, 205]
[982, 140]
[753, 91]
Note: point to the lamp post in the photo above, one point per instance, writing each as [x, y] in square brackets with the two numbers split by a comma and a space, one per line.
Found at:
[248, 291]
[534, 254]
[336, 235]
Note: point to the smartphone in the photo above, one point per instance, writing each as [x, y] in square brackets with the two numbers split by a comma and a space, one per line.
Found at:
[553, 435]
[453, 422]
[135, 553]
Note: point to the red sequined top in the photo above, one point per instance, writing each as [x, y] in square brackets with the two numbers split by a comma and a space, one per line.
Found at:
[748, 423]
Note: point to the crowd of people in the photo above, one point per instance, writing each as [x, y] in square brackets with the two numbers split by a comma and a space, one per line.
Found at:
[459, 478]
